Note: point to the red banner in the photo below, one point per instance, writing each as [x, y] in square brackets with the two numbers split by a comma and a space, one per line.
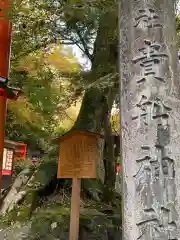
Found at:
[5, 40]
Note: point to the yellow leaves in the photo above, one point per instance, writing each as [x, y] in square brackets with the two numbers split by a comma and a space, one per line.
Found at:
[24, 9]
[24, 112]
[43, 68]
[30, 64]
[61, 59]
[58, 58]
[115, 122]
[60, 63]
[70, 116]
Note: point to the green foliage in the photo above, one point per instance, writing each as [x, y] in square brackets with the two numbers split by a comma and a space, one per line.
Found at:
[47, 72]
[44, 174]
[20, 165]
[38, 68]
[53, 214]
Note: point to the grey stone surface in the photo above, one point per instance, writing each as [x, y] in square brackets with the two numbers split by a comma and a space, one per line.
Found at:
[150, 120]
[15, 232]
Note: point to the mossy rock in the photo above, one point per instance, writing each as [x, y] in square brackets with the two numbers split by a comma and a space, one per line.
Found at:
[93, 188]
[49, 222]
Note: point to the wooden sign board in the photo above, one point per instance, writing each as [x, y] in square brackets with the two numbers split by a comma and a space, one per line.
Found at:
[78, 155]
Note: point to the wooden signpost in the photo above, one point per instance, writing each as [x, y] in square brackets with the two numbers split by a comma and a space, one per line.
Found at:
[77, 160]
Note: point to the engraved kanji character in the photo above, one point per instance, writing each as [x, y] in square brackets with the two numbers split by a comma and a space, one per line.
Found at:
[147, 18]
[150, 57]
[143, 180]
[151, 230]
[148, 110]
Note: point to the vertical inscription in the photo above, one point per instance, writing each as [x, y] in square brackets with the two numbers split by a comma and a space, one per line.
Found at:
[155, 185]
[155, 178]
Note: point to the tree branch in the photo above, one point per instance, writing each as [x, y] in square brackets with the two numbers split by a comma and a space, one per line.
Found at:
[86, 50]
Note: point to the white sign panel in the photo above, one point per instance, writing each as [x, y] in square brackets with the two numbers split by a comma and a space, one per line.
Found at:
[7, 162]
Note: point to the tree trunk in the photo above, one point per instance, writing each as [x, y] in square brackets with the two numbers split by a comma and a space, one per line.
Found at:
[104, 61]
[90, 117]
[16, 193]
[109, 154]
[92, 113]
[150, 115]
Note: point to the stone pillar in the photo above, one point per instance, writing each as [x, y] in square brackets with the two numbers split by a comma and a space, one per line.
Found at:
[150, 120]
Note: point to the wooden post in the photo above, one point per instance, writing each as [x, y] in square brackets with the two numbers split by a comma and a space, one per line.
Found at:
[2, 130]
[75, 209]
